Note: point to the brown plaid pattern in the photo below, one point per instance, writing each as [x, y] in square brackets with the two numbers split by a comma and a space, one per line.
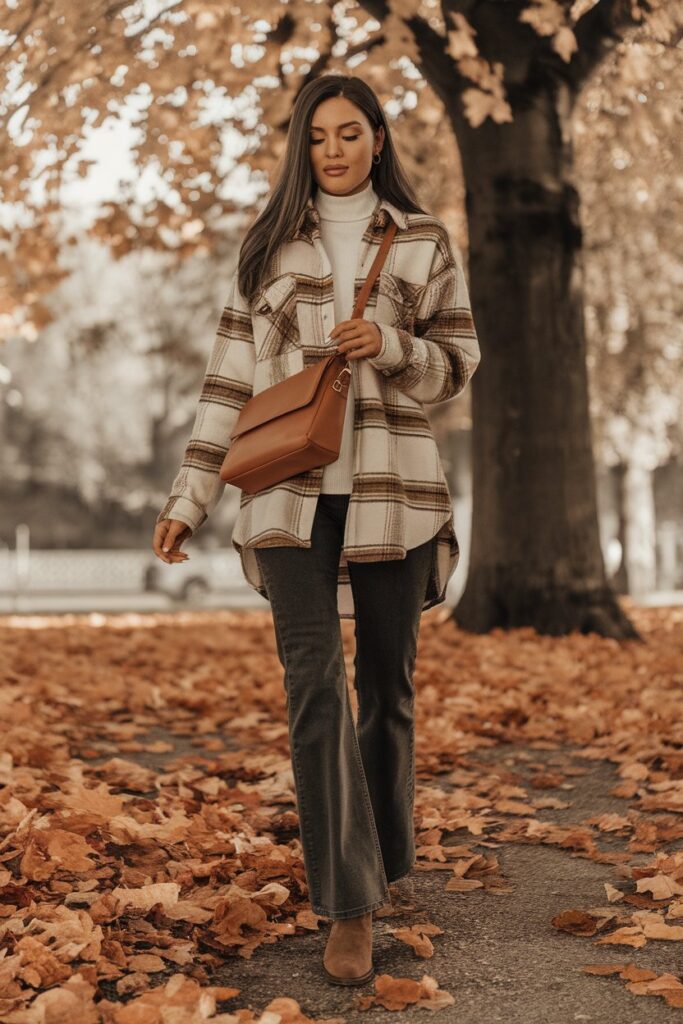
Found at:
[429, 351]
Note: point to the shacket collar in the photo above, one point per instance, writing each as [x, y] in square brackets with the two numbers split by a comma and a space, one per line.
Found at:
[308, 223]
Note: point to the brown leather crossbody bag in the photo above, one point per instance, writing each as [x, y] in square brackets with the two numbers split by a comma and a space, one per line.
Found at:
[296, 424]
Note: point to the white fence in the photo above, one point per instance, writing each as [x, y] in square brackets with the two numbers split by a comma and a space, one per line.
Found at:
[60, 571]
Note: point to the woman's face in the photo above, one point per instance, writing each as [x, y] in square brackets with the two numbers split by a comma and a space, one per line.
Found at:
[341, 135]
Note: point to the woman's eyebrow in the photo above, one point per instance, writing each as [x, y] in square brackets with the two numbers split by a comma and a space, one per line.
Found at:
[345, 125]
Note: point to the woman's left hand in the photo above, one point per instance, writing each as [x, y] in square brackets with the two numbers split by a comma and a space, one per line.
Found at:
[357, 338]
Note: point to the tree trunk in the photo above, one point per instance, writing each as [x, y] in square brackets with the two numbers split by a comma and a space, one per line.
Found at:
[640, 546]
[620, 578]
[535, 558]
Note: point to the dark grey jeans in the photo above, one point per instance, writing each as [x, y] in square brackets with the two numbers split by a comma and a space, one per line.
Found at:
[355, 785]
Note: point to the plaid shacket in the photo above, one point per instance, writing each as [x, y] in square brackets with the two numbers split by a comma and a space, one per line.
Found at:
[400, 495]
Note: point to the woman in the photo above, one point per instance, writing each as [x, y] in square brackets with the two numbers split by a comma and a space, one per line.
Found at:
[369, 536]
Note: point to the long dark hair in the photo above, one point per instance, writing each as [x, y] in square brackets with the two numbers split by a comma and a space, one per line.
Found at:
[295, 183]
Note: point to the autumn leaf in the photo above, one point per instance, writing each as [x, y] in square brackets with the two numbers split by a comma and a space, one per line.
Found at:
[417, 936]
[399, 993]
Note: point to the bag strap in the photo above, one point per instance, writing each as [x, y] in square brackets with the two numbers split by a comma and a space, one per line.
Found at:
[377, 265]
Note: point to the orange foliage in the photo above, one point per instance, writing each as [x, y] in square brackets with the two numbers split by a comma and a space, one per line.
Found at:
[148, 826]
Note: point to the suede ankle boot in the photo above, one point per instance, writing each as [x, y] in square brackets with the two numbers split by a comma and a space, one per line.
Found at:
[348, 954]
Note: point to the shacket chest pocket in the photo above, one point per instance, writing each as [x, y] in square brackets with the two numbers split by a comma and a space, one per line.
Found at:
[397, 301]
[274, 318]
[275, 325]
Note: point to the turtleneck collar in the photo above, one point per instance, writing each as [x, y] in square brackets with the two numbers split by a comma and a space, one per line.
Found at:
[357, 206]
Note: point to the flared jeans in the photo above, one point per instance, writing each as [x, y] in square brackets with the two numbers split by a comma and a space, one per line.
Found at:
[354, 782]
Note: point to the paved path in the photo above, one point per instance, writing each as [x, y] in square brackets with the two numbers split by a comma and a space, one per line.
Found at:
[499, 957]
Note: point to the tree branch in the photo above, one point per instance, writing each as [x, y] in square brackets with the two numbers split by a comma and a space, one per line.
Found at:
[436, 65]
[21, 31]
[598, 32]
[175, 5]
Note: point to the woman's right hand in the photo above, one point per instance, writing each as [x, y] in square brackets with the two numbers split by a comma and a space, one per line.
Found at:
[170, 533]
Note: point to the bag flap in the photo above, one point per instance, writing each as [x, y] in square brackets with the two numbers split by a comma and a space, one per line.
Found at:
[291, 393]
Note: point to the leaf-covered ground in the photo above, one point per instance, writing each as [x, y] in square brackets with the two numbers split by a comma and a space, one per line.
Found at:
[150, 863]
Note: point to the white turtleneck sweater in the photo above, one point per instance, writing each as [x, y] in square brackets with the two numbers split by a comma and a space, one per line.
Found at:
[343, 220]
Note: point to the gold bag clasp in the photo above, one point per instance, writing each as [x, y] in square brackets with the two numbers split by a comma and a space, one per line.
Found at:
[337, 382]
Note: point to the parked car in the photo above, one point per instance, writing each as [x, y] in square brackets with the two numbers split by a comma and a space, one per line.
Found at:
[203, 573]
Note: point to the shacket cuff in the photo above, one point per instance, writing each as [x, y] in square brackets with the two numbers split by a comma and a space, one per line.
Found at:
[392, 351]
[183, 509]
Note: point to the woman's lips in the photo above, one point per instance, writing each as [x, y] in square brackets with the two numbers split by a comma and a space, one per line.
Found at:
[337, 171]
